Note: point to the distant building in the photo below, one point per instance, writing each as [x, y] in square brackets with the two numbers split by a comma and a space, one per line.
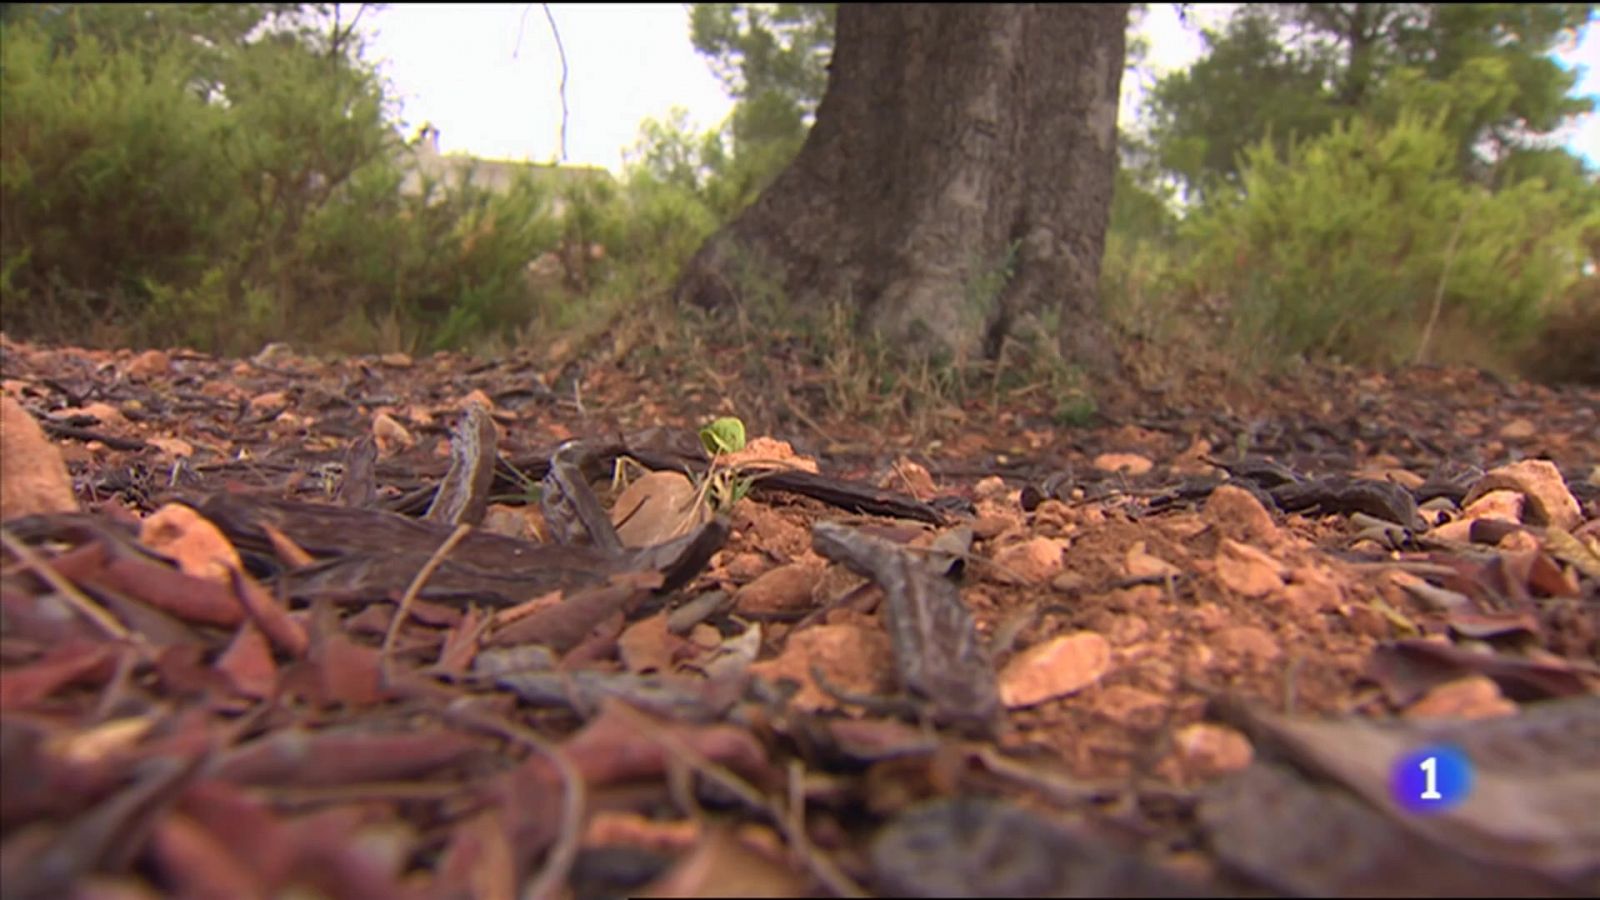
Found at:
[496, 175]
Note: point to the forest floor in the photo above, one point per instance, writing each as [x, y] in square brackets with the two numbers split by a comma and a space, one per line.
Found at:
[1205, 644]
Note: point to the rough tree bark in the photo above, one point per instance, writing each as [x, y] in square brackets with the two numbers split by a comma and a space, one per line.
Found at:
[949, 136]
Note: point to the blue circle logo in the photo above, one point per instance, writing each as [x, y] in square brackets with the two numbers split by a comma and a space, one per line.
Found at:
[1432, 779]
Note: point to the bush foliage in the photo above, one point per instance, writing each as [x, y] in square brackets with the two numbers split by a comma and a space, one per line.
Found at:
[1350, 244]
[226, 199]
[225, 175]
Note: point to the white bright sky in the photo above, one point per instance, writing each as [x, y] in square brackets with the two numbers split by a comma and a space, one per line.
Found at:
[487, 75]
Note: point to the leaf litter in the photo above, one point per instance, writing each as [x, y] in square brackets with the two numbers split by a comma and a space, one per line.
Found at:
[306, 636]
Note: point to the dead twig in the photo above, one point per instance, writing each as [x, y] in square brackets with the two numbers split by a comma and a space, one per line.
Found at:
[1438, 293]
[75, 598]
[820, 866]
[558, 864]
[415, 588]
[561, 51]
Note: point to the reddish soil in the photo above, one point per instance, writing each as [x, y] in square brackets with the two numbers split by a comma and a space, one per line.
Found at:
[1165, 646]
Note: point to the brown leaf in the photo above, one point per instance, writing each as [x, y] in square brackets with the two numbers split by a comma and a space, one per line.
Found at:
[292, 554]
[785, 588]
[192, 599]
[79, 661]
[194, 862]
[647, 645]
[461, 644]
[562, 625]
[348, 672]
[340, 757]
[248, 663]
[612, 748]
[1410, 667]
[479, 860]
[657, 508]
[272, 619]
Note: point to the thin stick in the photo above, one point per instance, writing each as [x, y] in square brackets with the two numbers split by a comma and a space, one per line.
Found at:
[551, 878]
[819, 864]
[75, 598]
[563, 53]
[415, 588]
[1438, 293]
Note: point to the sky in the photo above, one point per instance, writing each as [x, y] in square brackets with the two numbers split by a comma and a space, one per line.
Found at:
[488, 76]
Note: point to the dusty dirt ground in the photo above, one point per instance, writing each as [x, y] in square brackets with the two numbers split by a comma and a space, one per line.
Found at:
[1192, 645]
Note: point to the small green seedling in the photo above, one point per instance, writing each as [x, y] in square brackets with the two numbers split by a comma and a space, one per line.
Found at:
[725, 435]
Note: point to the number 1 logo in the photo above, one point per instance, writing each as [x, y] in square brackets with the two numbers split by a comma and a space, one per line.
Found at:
[1432, 779]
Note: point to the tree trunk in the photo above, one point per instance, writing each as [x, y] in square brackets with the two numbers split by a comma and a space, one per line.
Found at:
[951, 139]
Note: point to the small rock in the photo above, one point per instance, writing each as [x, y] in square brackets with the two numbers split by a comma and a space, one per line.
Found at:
[33, 479]
[1503, 505]
[1140, 563]
[1368, 621]
[1313, 589]
[148, 363]
[222, 388]
[992, 487]
[288, 423]
[1247, 640]
[1473, 697]
[1034, 561]
[986, 527]
[104, 413]
[192, 540]
[1392, 473]
[476, 397]
[1208, 749]
[910, 477]
[1131, 463]
[1236, 513]
[269, 400]
[1549, 501]
[1518, 430]
[171, 448]
[1248, 571]
[1523, 542]
[390, 436]
[783, 589]
[766, 452]
[512, 521]
[1125, 629]
[1128, 705]
[1055, 668]
[1459, 530]
[744, 567]
[852, 658]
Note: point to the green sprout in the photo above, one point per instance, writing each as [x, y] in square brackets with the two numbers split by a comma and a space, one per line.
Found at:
[725, 435]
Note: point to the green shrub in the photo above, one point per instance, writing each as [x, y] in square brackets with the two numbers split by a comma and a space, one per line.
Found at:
[112, 179]
[244, 191]
[1357, 243]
